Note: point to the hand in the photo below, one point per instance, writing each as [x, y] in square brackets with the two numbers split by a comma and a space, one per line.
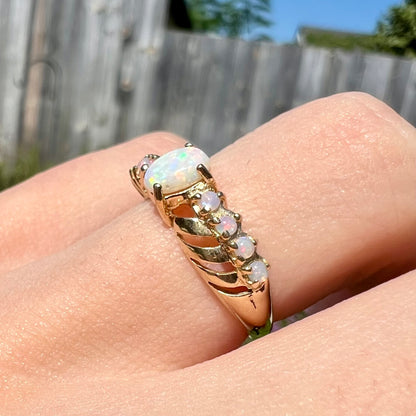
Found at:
[101, 314]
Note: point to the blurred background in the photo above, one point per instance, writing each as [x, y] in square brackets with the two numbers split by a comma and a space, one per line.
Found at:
[79, 75]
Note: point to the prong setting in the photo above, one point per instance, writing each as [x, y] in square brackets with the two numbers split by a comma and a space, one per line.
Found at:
[206, 175]
[157, 191]
[233, 244]
[214, 221]
[225, 235]
[208, 218]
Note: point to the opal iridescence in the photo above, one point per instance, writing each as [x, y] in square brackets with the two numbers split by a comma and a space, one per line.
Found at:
[176, 170]
[258, 271]
[209, 201]
[245, 248]
[227, 224]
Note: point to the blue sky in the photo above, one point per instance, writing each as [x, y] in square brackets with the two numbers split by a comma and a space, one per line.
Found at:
[350, 15]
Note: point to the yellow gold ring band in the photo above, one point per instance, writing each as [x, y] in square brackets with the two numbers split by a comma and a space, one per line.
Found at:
[186, 197]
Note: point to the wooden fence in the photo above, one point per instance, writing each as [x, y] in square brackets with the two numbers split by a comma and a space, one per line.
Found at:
[77, 75]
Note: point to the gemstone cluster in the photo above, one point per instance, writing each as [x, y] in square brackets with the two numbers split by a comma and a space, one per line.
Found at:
[178, 170]
[226, 225]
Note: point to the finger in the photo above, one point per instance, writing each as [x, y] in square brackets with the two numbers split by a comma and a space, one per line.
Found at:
[57, 207]
[354, 358]
[328, 191]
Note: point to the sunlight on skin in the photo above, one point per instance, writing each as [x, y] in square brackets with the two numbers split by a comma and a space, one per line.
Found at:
[104, 315]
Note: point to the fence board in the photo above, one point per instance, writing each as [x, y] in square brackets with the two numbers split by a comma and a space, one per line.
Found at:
[139, 68]
[102, 72]
[398, 81]
[376, 75]
[86, 62]
[179, 93]
[408, 109]
[15, 25]
[238, 87]
[347, 71]
[211, 118]
[313, 74]
[275, 75]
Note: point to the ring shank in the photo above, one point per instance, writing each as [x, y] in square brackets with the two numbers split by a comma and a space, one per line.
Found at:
[212, 239]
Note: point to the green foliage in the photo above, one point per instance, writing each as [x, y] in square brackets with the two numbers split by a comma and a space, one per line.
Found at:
[232, 18]
[340, 40]
[396, 32]
[27, 165]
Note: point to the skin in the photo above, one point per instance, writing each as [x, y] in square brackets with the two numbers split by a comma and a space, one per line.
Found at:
[102, 315]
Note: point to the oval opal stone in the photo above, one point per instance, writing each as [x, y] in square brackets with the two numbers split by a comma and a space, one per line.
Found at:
[176, 170]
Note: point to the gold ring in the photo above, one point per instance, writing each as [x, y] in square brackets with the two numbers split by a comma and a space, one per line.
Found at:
[186, 197]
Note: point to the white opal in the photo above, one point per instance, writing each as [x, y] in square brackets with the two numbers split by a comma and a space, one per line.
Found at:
[258, 271]
[245, 248]
[227, 224]
[176, 170]
[209, 201]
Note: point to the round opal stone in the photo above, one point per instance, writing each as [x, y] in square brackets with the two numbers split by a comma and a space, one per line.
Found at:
[245, 248]
[176, 170]
[209, 201]
[258, 271]
[227, 224]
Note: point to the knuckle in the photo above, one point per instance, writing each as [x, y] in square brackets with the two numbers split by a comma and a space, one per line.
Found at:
[345, 156]
[357, 134]
[371, 130]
